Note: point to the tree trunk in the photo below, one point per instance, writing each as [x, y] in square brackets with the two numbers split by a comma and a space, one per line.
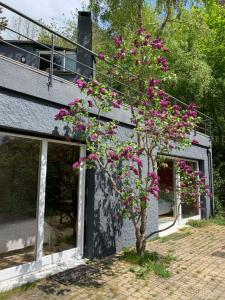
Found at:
[141, 233]
[140, 244]
[139, 13]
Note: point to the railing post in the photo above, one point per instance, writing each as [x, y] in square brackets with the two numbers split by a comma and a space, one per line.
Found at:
[51, 62]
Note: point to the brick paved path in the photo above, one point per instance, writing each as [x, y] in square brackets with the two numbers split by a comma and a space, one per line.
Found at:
[197, 273]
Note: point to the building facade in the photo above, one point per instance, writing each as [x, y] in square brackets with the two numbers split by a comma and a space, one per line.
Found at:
[51, 217]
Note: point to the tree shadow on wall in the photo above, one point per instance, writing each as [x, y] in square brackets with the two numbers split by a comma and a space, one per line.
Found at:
[102, 215]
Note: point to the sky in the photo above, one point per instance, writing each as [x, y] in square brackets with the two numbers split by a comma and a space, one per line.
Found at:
[45, 9]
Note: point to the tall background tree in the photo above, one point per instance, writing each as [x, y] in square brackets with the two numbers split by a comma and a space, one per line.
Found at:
[194, 31]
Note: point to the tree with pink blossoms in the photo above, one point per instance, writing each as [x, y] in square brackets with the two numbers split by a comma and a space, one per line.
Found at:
[140, 70]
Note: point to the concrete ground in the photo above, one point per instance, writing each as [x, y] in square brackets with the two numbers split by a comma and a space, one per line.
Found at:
[198, 272]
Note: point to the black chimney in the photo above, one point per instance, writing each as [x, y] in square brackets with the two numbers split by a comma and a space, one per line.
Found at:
[85, 39]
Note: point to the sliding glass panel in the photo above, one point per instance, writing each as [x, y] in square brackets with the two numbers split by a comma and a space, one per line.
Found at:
[61, 203]
[19, 163]
[70, 62]
[167, 195]
[192, 209]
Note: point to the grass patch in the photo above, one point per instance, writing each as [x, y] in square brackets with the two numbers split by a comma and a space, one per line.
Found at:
[176, 236]
[17, 291]
[198, 223]
[219, 220]
[148, 262]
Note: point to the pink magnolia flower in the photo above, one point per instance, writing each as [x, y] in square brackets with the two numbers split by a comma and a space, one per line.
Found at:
[90, 103]
[134, 51]
[116, 103]
[113, 94]
[103, 91]
[195, 142]
[74, 102]
[157, 44]
[151, 92]
[164, 102]
[138, 161]
[161, 93]
[76, 165]
[153, 175]
[112, 154]
[101, 56]
[90, 91]
[62, 113]
[150, 123]
[134, 170]
[93, 156]
[128, 149]
[118, 41]
[148, 35]
[80, 126]
[81, 84]
[140, 31]
[94, 137]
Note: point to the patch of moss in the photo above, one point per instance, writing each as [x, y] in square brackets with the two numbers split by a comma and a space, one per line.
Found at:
[175, 236]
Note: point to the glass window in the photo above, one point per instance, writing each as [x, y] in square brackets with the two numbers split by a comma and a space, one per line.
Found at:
[70, 63]
[61, 201]
[60, 62]
[167, 199]
[191, 209]
[19, 163]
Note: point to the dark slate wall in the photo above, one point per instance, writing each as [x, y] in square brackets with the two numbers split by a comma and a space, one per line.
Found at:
[107, 233]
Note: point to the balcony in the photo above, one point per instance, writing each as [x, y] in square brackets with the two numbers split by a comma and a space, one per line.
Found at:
[60, 59]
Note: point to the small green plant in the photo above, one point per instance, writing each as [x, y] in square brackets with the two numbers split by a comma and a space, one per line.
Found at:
[148, 262]
[219, 220]
[198, 223]
[19, 290]
[175, 236]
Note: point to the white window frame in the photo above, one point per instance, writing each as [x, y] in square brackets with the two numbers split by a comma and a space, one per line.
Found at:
[61, 53]
[41, 262]
[180, 221]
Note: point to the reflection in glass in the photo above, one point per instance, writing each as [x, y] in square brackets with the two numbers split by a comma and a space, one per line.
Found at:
[19, 162]
[61, 198]
[167, 195]
[190, 209]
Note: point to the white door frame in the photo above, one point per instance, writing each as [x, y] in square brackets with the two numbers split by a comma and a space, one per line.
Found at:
[42, 262]
[178, 208]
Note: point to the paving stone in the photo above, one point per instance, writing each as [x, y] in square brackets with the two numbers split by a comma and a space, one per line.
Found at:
[197, 274]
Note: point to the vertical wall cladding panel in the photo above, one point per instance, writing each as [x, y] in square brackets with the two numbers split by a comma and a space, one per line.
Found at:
[106, 233]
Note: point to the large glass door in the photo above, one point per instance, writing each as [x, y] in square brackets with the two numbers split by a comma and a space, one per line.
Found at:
[189, 210]
[167, 197]
[41, 203]
[61, 199]
[19, 163]
[169, 203]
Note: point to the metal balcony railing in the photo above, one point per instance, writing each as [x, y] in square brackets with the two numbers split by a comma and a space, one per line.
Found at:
[59, 57]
